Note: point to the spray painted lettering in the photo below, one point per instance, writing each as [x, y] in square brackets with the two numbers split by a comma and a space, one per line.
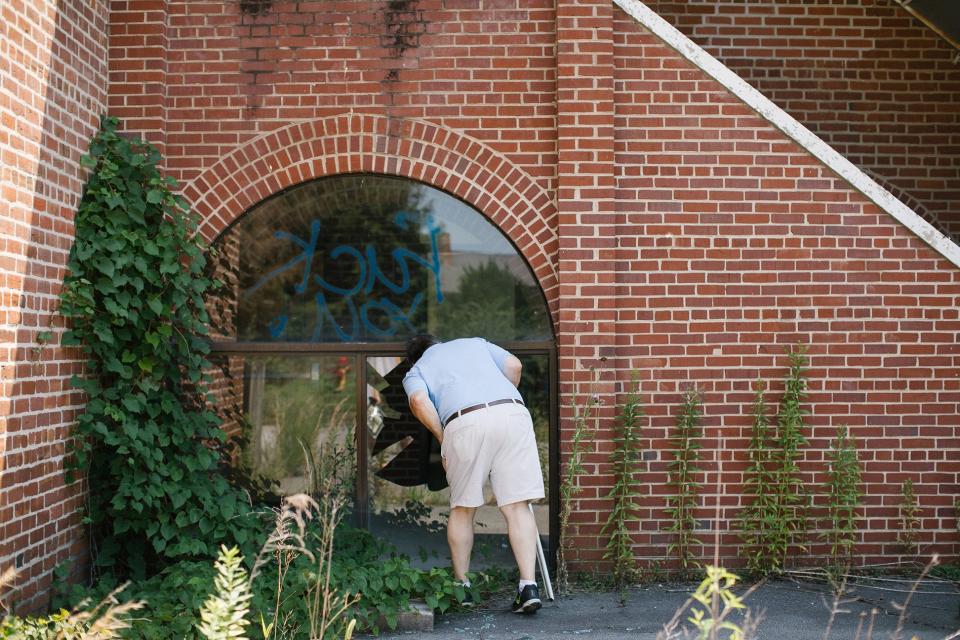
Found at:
[360, 312]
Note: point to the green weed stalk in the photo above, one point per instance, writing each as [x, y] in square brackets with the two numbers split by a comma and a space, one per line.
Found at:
[843, 493]
[585, 425]
[626, 459]
[757, 519]
[909, 536]
[682, 480]
[774, 520]
[790, 524]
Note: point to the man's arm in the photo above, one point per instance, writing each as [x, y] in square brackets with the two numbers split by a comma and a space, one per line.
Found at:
[512, 368]
[508, 363]
[426, 413]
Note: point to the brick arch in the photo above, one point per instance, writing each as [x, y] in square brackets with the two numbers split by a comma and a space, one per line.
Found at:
[414, 149]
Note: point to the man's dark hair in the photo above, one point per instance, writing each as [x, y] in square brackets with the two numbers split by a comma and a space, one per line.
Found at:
[418, 344]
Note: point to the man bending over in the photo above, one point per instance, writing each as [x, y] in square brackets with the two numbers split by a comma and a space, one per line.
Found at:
[465, 392]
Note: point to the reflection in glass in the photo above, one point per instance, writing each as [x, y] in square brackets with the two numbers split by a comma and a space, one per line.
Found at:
[362, 258]
[294, 406]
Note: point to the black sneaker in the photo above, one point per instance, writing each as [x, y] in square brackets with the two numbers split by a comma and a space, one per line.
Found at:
[467, 602]
[527, 600]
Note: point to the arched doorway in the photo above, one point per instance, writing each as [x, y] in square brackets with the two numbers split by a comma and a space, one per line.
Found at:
[323, 283]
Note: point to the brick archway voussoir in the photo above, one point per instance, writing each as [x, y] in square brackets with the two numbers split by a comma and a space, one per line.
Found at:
[354, 143]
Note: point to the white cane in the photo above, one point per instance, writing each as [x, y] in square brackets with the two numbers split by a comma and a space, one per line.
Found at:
[541, 558]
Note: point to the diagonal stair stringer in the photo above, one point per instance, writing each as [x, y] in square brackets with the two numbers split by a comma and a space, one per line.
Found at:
[792, 128]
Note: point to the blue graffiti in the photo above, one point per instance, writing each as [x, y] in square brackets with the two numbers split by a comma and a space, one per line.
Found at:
[380, 317]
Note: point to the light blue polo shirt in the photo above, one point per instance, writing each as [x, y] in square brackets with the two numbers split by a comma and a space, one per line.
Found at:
[459, 374]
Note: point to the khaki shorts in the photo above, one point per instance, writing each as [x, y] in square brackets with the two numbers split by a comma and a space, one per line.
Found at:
[496, 442]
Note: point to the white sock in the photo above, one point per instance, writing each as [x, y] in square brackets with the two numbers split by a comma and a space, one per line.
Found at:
[524, 583]
[465, 583]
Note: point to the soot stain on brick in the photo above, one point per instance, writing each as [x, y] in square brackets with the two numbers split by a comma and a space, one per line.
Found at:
[403, 24]
[255, 7]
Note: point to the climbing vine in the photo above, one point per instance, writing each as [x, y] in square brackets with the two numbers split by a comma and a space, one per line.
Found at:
[134, 298]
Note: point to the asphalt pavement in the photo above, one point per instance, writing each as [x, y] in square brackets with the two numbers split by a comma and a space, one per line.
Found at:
[787, 609]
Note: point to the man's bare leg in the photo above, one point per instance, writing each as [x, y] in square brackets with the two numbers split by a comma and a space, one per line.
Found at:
[522, 530]
[460, 539]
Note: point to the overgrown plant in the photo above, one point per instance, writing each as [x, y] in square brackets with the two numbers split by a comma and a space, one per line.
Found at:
[757, 519]
[626, 459]
[682, 479]
[224, 614]
[775, 521]
[327, 603]
[717, 604]
[790, 523]
[134, 297]
[909, 508]
[318, 599]
[313, 596]
[843, 493]
[102, 621]
[585, 419]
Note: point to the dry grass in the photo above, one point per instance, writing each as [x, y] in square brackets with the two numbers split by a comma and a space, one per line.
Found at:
[101, 622]
[326, 605]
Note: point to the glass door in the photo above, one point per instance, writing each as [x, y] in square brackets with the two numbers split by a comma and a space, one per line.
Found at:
[294, 408]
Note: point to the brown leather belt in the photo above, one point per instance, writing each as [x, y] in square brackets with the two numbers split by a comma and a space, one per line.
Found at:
[475, 407]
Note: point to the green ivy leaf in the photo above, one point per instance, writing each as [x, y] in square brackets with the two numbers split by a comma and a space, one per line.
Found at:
[134, 293]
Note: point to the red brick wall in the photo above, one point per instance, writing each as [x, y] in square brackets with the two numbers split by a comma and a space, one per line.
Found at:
[487, 72]
[587, 329]
[53, 91]
[865, 75]
[732, 244]
[674, 232]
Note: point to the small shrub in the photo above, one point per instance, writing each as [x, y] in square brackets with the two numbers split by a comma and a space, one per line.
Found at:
[86, 622]
[172, 600]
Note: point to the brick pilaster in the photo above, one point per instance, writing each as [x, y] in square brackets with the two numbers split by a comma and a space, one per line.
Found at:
[138, 67]
[587, 232]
